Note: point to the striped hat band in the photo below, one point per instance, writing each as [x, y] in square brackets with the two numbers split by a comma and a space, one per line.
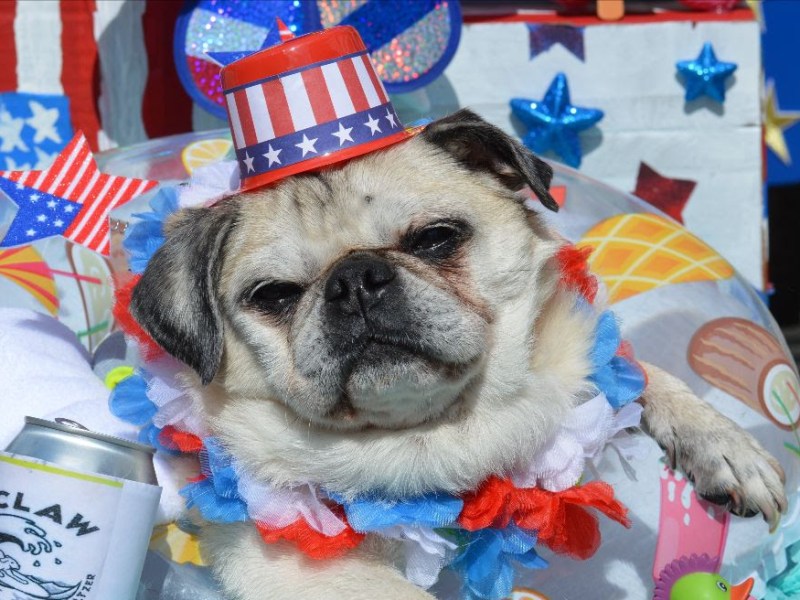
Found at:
[320, 110]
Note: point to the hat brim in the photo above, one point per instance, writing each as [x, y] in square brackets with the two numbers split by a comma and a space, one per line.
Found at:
[327, 160]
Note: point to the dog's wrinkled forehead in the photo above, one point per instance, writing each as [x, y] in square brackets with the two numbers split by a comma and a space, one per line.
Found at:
[302, 225]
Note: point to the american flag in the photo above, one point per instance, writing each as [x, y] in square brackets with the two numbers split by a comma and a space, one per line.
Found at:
[70, 198]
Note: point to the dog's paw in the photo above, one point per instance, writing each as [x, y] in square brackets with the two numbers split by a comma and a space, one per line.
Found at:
[727, 466]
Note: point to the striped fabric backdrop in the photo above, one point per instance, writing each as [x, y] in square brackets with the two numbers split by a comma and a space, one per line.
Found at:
[111, 58]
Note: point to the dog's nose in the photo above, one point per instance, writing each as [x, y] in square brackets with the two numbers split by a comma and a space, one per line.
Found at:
[358, 283]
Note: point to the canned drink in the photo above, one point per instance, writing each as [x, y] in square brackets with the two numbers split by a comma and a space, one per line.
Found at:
[77, 510]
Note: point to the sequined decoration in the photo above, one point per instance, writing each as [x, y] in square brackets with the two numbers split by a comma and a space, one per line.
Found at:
[223, 25]
[332, 12]
[409, 55]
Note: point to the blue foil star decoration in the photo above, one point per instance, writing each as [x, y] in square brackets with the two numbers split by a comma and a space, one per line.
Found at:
[553, 123]
[705, 75]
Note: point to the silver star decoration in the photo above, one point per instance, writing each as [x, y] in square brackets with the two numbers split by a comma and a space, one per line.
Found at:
[390, 118]
[307, 145]
[248, 162]
[272, 156]
[343, 134]
[373, 124]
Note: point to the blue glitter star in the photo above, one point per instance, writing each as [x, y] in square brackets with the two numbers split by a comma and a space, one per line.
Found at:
[554, 123]
[705, 75]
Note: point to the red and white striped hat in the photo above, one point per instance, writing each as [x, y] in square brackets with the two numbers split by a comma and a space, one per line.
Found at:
[306, 103]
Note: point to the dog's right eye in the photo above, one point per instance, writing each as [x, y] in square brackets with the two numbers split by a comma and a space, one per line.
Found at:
[276, 297]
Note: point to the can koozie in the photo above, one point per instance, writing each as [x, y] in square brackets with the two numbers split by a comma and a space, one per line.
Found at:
[68, 535]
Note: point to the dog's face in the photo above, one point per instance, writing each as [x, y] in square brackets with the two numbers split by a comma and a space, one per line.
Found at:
[377, 295]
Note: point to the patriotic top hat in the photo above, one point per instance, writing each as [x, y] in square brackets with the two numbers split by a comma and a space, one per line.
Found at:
[306, 103]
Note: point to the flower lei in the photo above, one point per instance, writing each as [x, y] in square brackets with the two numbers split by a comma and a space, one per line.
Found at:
[479, 534]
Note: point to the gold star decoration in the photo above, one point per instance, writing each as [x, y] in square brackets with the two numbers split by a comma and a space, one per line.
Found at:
[755, 6]
[776, 122]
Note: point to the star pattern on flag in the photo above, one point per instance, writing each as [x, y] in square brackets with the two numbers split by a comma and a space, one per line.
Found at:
[320, 140]
[272, 155]
[705, 75]
[248, 162]
[343, 134]
[71, 198]
[43, 121]
[307, 145]
[668, 195]
[373, 124]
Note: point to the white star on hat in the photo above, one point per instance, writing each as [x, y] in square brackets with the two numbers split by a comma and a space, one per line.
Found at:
[390, 118]
[248, 162]
[272, 156]
[343, 134]
[307, 145]
[373, 125]
[33, 197]
[41, 218]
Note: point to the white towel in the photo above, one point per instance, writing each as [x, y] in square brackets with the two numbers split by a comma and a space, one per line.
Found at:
[45, 372]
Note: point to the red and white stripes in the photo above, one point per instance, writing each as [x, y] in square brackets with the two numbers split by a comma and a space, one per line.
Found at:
[304, 99]
[74, 176]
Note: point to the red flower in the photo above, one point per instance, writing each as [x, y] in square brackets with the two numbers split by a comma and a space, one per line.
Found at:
[311, 542]
[561, 520]
[575, 274]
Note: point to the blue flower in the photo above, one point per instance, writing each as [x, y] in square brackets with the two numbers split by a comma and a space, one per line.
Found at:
[217, 496]
[485, 561]
[432, 510]
[621, 380]
[147, 235]
[129, 401]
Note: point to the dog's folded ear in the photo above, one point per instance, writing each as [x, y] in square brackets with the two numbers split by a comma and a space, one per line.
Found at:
[481, 146]
[175, 301]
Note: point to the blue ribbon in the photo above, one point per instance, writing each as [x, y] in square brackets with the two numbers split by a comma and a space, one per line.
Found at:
[617, 377]
[147, 235]
[217, 496]
[432, 510]
[485, 561]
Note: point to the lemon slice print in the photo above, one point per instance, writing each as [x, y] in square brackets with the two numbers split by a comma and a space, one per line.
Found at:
[204, 152]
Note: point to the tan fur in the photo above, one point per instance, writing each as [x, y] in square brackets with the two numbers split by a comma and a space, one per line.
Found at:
[524, 346]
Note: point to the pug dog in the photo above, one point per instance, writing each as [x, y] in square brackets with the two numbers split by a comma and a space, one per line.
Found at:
[394, 325]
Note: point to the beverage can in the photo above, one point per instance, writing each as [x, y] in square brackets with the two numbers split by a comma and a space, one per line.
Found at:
[77, 510]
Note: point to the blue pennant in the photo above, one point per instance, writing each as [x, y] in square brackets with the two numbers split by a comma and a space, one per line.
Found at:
[554, 123]
[40, 215]
[543, 37]
[705, 75]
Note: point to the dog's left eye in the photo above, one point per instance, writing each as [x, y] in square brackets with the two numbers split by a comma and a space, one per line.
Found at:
[437, 241]
[276, 297]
